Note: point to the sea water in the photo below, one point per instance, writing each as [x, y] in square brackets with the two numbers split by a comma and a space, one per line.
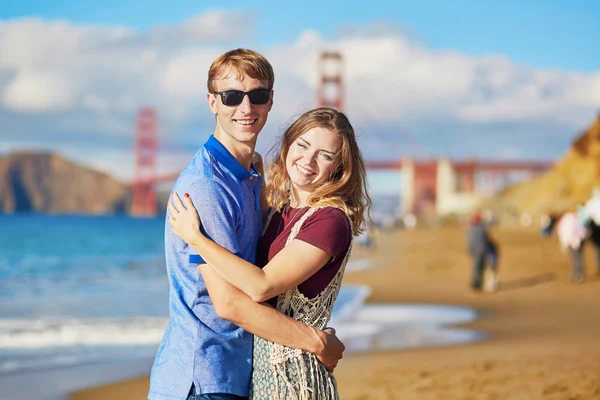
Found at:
[77, 291]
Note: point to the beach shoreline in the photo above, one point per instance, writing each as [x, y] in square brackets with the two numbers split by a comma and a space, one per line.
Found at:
[543, 333]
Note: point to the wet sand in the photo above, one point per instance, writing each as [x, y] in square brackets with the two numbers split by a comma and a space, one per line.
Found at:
[543, 332]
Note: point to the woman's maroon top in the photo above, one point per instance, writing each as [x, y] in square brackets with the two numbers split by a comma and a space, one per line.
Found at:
[328, 229]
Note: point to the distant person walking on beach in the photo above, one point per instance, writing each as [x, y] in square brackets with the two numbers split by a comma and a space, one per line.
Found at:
[594, 229]
[592, 210]
[482, 251]
[206, 350]
[304, 248]
[548, 223]
[368, 238]
[493, 259]
[571, 235]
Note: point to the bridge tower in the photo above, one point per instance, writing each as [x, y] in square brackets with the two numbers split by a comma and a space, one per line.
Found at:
[330, 92]
[146, 149]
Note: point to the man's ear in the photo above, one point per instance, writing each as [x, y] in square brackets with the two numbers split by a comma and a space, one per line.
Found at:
[212, 102]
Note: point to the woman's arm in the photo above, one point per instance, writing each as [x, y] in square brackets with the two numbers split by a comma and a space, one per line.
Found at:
[291, 266]
[263, 320]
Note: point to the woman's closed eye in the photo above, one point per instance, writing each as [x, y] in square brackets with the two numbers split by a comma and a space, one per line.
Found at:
[326, 157]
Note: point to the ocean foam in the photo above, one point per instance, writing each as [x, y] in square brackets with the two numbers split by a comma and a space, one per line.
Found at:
[83, 320]
[398, 326]
[358, 265]
[51, 333]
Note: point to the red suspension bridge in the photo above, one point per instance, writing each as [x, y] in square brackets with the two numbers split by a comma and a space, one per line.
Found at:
[432, 186]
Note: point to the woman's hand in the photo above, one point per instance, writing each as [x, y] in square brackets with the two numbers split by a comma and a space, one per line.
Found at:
[184, 219]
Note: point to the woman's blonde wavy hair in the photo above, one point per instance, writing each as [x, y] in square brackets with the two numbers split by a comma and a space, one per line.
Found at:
[347, 186]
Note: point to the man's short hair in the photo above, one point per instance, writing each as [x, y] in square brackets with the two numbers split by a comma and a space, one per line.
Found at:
[243, 62]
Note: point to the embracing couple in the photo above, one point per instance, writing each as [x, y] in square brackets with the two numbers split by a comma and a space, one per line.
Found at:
[254, 270]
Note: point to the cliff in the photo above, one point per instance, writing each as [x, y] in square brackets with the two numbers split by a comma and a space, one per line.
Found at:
[570, 182]
[48, 183]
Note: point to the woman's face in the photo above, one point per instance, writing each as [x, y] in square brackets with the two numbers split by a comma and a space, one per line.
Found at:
[312, 158]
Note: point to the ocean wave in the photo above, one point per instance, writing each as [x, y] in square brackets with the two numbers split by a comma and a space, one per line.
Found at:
[49, 276]
[52, 333]
[48, 342]
[350, 299]
[72, 356]
[358, 265]
[43, 265]
[28, 344]
[47, 332]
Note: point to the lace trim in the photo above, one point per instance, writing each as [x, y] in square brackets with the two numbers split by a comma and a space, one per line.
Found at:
[315, 312]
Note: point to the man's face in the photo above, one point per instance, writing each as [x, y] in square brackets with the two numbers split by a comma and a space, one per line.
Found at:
[241, 123]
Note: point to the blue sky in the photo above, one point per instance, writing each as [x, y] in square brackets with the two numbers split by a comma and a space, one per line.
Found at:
[466, 79]
[551, 34]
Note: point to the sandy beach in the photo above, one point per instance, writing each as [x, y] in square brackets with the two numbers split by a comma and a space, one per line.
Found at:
[543, 333]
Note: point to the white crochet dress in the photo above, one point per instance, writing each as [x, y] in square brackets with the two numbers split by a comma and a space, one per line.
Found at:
[280, 372]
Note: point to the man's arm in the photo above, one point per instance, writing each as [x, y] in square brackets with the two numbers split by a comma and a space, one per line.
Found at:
[263, 320]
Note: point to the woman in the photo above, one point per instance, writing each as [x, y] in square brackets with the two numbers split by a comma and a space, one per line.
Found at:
[571, 234]
[317, 194]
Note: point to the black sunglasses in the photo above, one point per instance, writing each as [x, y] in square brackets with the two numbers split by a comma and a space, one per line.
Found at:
[235, 97]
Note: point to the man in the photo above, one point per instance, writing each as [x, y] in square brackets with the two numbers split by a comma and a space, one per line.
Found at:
[478, 246]
[595, 239]
[592, 211]
[206, 351]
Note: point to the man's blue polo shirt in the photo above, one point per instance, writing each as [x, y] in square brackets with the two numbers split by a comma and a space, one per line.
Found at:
[199, 347]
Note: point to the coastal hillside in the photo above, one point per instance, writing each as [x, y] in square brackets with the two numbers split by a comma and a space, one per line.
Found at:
[48, 183]
[568, 183]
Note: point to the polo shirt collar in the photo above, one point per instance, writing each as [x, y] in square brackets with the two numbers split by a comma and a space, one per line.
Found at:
[224, 157]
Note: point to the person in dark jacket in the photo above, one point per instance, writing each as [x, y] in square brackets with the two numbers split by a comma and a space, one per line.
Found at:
[594, 237]
[492, 257]
[592, 212]
[479, 246]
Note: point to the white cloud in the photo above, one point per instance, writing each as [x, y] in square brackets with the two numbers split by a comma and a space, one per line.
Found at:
[217, 25]
[60, 66]
[96, 103]
[529, 94]
[34, 91]
[90, 80]
[185, 74]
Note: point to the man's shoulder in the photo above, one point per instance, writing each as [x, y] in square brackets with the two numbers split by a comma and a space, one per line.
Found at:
[202, 172]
